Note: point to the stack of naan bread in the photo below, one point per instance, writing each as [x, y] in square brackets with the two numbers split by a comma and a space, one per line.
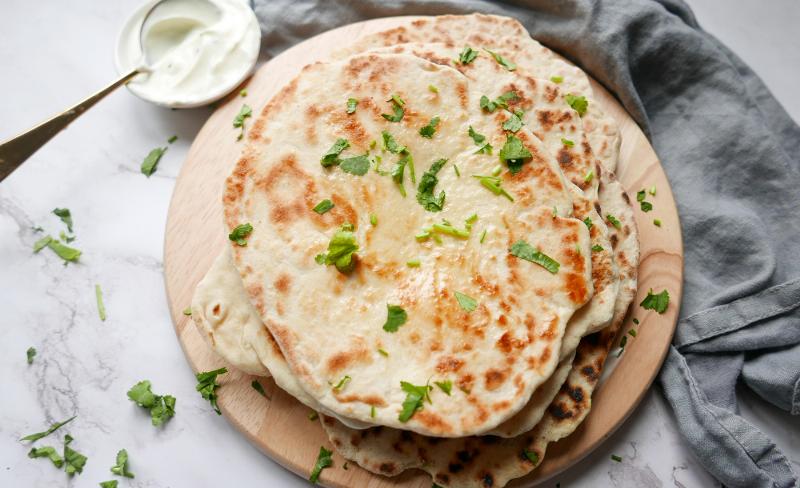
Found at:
[495, 252]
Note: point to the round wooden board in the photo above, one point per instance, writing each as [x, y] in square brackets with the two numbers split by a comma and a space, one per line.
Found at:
[279, 426]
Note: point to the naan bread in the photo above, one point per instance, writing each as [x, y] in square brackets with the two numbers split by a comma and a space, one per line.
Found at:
[505, 36]
[329, 325]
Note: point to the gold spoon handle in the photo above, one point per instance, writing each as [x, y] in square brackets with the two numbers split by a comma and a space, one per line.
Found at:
[14, 152]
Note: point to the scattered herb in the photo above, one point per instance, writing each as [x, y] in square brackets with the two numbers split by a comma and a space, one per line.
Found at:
[383, 352]
[492, 183]
[414, 399]
[501, 101]
[121, 468]
[173, 138]
[397, 109]
[513, 123]
[37, 229]
[430, 129]
[324, 460]
[162, 408]
[240, 233]
[74, 460]
[151, 161]
[531, 456]
[652, 190]
[68, 254]
[41, 243]
[260, 389]
[373, 219]
[657, 222]
[341, 249]
[636, 321]
[578, 103]
[467, 303]
[458, 173]
[312, 415]
[323, 206]
[433, 89]
[372, 411]
[238, 121]
[646, 206]
[622, 344]
[589, 176]
[446, 227]
[101, 308]
[640, 195]
[658, 301]
[40, 435]
[616, 458]
[352, 103]
[483, 236]
[390, 144]
[109, 484]
[243, 92]
[514, 153]
[64, 237]
[556, 79]
[356, 165]
[632, 332]
[31, 353]
[342, 382]
[597, 248]
[413, 263]
[446, 386]
[509, 65]
[476, 138]
[207, 386]
[48, 452]
[588, 222]
[523, 250]
[567, 142]
[331, 158]
[613, 220]
[425, 196]
[395, 317]
[65, 216]
[467, 56]
[187, 311]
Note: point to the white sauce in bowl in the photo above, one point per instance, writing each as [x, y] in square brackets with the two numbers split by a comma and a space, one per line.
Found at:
[196, 51]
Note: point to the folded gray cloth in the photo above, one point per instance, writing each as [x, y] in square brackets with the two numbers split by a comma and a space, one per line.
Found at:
[731, 154]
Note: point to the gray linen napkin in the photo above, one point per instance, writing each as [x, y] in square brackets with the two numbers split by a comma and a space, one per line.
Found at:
[731, 154]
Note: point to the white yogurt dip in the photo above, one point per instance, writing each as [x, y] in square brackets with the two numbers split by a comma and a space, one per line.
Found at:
[196, 51]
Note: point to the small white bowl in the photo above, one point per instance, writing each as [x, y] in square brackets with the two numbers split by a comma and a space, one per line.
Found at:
[128, 54]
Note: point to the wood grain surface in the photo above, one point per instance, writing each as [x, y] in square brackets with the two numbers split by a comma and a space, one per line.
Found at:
[279, 426]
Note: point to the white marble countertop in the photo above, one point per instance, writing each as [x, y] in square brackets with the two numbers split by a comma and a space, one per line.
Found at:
[55, 53]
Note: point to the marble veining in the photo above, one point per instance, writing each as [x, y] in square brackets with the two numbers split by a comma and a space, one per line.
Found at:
[85, 366]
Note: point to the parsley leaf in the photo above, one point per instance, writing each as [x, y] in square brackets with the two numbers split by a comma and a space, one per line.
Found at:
[207, 386]
[613, 220]
[467, 303]
[446, 386]
[101, 308]
[48, 452]
[509, 65]
[492, 183]
[331, 158]
[341, 249]
[109, 484]
[260, 389]
[397, 109]
[323, 206]
[476, 138]
[39, 435]
[65, 216]
[395, 317]
[513, 123]
[425, 196]
[523, 250]
[429, 129]
[390, 144]
[162, 408]
[658, 302]
[578, 103]
[238, 121]
[467, 55]
[324, 460]
[514, 153]
[31, 353]
[240, 233]
[151, 161]
[121, 468]
[357, 165]
[351, 105]
[74, 460]
[414, 398]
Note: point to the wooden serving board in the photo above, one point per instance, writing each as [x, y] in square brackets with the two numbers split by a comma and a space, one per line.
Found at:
[279, 426]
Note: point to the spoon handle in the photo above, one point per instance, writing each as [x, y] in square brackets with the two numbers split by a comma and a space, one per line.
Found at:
[15, 151]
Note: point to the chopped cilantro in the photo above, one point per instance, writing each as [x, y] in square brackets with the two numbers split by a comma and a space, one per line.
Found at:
[40, 435]
[372, 411]
[324, 460]
[646, 206]
[483, 236]
[41, 243]
[162, 408]
[658, 302]
[413, 263]
[30, 353]
[636, 321]
[373, 219]
[578, 103]
[121, 468]
[632, 332]
[395, 317]
[588, 222]
[151, 161]
[240, 233]
[509, 65]
[101, 308]
[238, 121]
[567, 142]
[622, 344]
[341, 249]
[312, 415]
[476, 138]
[331, 157]
[425, 195]
[514, 153]
[458, 173]
[433, 89]
[597, 248]
[501, 101]
[589, 176]
[523, 250]
[467, 303]
[429, 129]
[68, 254]
[613, 220]
[207, 386]
[397, 109]
[657, 222]
[640, 195]
[446, 227]
[351, 105]
[174, 138]
[415, 395]
[531, 456]
[492, 183]
[187, 311]
[109, 484]
[556, 79]
[652, 190]
[467, 55]
[65, 216]
[342, 382]
[260, 389]
[48, 452]
[74, 460]
[323, 206]
[383, 353]
[616, 458]
[243, 92]
[513, 123]
[391, 145]
[64, 237]
[446, 386]
[357, 165]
